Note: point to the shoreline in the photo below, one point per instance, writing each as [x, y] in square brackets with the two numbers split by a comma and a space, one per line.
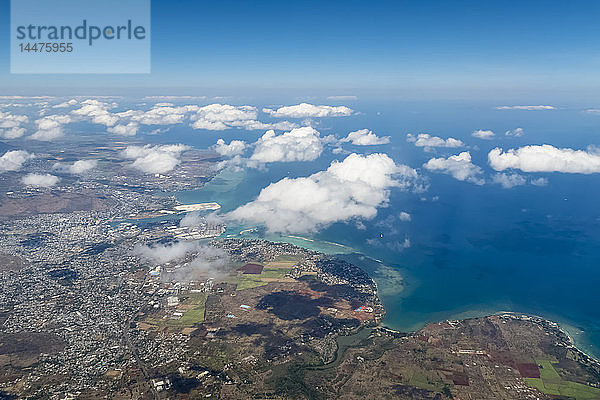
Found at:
[483, 314]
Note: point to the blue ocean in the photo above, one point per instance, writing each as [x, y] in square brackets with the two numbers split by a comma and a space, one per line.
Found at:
[468, 250]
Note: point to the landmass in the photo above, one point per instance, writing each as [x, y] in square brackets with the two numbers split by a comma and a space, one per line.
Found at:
[90, 310]
[280, 322]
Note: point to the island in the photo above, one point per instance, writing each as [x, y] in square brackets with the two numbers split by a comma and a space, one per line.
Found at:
[277, 322]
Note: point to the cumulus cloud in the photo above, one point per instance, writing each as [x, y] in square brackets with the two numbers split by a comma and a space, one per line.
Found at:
[214, 117]
[353, 188]
[97, 112]
[218, 117]
[545, 158]
[66, 104]
[483, 134]
[12, 133]
[10, 125]
[515, 132]
[8, 120]
[207, 261]
[13, 160]
[539, 182]
[306, 110]
[365, 137]
[299, 144]
[195, 218]
[459, 166]
[155, 159]
[404, 216]
[234, 148]
[50, 127]
[160, 114]
[163, 253]
[528, 108]
[129, 129]
[78, 167]
[508, 181]
[428, 141]
[40, 180]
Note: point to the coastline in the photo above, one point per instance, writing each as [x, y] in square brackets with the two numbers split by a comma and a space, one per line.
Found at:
[389, 290]
[317, 245]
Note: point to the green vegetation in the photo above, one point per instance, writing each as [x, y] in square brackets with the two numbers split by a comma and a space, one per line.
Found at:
[247, 281]
[274, 273]
[214, 356]
[289, 380]
[551, 383]
[421, 380]
[286, 258]
[194, 315]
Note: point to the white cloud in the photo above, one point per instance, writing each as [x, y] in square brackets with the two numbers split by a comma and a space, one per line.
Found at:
[509, 180]
[218, 117]
[427, 141]
[404, 216]
[50, 127]
[78, 167]
[162, 253]
[8, 120]
[353, 188]
[155, 159]
[299, 144]
[528, 108]
[125, 130]
[539, 182]
[211, 117]
[12, 133]
[13, 160]
[365, 137]
[158, 115]
[483, 134]
[459, 166]
[305, 110]
[235, 148]
[515, 132]
[545, 158]
[39, 180]
[208, 261]
[66, 104]
[97, 112]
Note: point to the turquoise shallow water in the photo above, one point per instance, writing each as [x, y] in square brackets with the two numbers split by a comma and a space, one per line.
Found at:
[457, 267]
[474, 250]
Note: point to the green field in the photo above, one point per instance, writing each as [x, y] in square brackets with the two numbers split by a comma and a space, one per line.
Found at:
[551, 383]
[194, 315]
[421, 380]
[249, 281]
[274, 273]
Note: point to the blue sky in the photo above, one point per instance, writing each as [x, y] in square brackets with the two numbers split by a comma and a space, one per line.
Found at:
[510, 49]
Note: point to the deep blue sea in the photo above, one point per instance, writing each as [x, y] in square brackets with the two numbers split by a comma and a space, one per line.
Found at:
[474, 250]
